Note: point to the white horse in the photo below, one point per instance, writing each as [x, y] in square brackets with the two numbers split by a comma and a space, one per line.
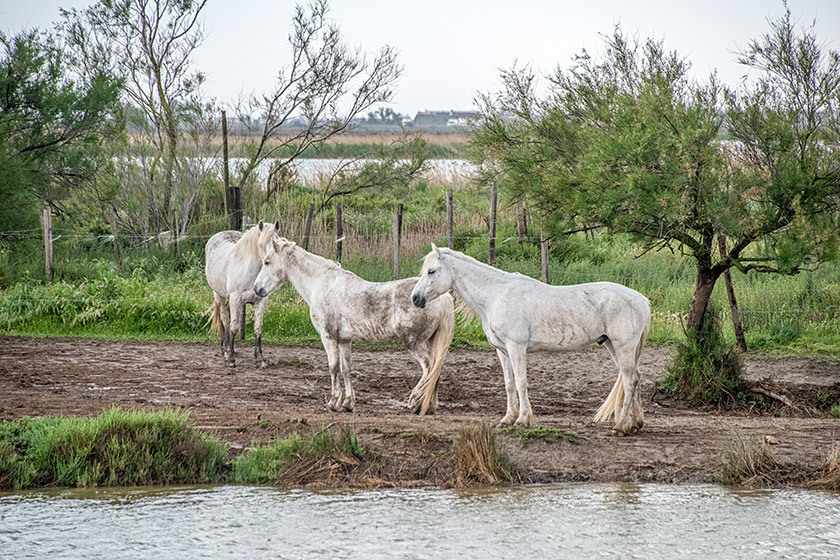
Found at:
[519, 313]
[232, 262]
[344, 308]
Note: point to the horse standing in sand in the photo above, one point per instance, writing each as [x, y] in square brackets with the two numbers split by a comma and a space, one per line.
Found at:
[519, 313]
[344, 308]
[233, 260]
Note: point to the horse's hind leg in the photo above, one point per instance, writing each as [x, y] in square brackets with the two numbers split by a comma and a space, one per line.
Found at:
[632, 416]
[331, 348]
[349, 402]
[259, 313]
[418, 401]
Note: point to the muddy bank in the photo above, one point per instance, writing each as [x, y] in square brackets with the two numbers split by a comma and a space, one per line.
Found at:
[679, 442]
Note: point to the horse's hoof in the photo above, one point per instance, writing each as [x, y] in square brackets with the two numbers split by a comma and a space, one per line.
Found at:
[263, 365]
[346, 409]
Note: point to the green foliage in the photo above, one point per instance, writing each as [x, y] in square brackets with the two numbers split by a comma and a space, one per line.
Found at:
[706, 369]
[298, 460]
[53, 124]
[115, 448]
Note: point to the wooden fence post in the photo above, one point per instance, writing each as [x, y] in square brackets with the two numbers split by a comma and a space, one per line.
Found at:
[339, 232]
[397, 234]
[236, 208]
[307, 225]
[46, 224]
[450, 219]
[494, 194]
[733, 303]
[544, 258]
[225, 169]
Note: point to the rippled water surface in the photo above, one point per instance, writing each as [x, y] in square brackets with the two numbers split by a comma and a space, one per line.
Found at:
[557, 521]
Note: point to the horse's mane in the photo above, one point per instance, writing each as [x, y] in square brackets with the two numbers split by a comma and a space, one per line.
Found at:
[460, 256]
[300, 252]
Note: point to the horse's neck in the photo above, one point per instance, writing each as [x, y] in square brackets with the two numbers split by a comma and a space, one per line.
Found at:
[474, 284]
[305, 271]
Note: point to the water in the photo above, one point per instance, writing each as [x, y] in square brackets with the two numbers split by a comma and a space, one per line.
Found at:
[556, 521]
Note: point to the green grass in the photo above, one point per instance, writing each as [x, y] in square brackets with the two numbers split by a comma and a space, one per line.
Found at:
[298, 460]
[153, 297]
[115, 448]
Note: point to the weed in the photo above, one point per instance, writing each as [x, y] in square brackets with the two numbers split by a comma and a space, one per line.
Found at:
[828, 477]
[423, 436]
[835, 411]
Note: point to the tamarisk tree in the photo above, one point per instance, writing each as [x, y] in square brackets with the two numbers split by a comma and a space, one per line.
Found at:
[631, 144]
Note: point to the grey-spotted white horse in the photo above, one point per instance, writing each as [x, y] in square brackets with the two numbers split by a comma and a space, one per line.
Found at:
[344, 308]
[519, 313]
[232, 262]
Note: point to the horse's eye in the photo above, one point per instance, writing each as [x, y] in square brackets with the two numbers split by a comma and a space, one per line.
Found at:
[266, 263]
[431, 271]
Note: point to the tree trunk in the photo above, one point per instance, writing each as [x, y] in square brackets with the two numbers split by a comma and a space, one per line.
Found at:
[703, 288]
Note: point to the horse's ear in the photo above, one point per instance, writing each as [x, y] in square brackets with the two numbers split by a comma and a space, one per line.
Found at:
[277, 226]
[260, 225]
[436, 250]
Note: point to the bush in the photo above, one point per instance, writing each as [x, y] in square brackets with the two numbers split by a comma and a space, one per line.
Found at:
[706, 369]
[115, 448]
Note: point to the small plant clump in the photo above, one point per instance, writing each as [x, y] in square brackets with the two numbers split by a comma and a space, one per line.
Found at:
[477, 457]
[329, 454]
[747, 462]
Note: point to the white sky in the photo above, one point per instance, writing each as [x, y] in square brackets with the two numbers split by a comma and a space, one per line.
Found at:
[453, 49]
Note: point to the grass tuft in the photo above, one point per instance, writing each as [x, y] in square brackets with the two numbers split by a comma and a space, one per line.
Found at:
[747, 462]
[477, 457]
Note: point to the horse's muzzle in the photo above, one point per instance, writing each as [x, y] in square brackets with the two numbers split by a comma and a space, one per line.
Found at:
[418, 300]
[260, 291]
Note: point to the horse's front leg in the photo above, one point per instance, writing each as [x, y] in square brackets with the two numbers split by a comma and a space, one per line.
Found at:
[259, 313]
[349, 402]
[236, 319]
[512, 412]
[518, 361]
[333, 360]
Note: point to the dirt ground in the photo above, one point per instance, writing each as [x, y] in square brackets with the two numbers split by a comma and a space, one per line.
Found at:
[679, 442]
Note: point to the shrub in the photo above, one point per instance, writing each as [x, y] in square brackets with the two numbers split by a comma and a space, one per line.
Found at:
[115, 448]
[706, 369]
[746, 462]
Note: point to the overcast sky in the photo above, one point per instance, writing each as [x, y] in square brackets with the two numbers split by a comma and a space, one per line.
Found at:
[453, 49]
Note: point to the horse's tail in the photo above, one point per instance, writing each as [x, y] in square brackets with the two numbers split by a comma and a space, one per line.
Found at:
[215, 318]
[426, 390]
[615, 400]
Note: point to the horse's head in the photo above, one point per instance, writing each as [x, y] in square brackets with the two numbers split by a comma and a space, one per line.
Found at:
[435, 278]
[267, 234]
[273, 272]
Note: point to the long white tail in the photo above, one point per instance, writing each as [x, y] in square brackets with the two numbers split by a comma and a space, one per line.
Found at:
[425, 393]
[615, 400]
